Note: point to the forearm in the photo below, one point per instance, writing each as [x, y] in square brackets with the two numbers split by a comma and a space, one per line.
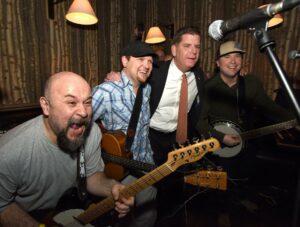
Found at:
[98, 184]
[13, 215]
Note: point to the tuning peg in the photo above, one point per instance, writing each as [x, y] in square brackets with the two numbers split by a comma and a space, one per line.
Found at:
[195, 140]
[202, 137]
[210, 135]
[187, 143]
[175, 146]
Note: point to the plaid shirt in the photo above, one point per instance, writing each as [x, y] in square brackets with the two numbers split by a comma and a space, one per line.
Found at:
[113, 103]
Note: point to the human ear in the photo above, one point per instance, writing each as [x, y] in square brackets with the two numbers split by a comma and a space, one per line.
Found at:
[124, 61]
[173, 50]
[44, 105]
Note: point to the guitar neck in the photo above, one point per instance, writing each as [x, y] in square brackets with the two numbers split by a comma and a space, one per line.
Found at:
[129, 163]
[268, 129]
[176, 158]
[140, 184]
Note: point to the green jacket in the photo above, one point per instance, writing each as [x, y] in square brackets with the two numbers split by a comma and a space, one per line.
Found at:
[221, 103]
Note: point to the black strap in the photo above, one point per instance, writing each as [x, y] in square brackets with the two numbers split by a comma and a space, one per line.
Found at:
[241, 98]
[134, 119]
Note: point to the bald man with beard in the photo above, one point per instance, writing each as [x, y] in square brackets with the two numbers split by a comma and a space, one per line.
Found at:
[38, 158]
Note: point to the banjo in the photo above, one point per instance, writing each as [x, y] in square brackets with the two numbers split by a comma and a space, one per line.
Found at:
[228, 127]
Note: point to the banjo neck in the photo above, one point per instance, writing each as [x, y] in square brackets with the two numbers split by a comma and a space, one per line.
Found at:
[268, 129]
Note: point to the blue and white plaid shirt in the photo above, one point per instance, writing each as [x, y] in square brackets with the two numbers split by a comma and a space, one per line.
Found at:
[113, 104]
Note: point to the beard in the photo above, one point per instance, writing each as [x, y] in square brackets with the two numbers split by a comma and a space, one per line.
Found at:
[72, 147]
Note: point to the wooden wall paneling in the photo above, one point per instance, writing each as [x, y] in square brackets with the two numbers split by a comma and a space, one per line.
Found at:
[141, 12]
[165, 21]
[128, 15]
[90, 59]
[151, 15]
[289, 42]
[103, 44]
[209, 12]
[179, 14]
[115, 32]
[32, 46]
[6, 95]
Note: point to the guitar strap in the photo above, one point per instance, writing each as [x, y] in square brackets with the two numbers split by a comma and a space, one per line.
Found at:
[134, 119]
[82, 192]
[240, 94]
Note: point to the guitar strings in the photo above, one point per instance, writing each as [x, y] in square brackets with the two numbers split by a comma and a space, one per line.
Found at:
[183, 205]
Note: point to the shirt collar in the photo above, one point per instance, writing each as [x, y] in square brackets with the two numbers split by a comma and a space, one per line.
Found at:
[125, 79]
[175, 72]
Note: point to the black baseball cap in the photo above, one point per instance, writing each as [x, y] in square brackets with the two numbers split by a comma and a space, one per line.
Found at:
[139, 49]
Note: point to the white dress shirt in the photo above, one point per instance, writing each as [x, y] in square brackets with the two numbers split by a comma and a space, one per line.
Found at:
[165, 117]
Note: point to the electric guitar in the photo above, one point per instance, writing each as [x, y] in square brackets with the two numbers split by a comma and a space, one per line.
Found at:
[176, 158]
[228, 127]
[112, 153]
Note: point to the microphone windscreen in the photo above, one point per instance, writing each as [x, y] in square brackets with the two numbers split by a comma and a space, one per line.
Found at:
[214, 30]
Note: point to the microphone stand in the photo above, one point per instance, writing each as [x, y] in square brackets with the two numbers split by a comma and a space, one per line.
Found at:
[265, 44]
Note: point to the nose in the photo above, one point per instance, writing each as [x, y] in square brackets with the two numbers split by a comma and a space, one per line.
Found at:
[194, 49]
[147, 64]
[232, 59]
[83, 110]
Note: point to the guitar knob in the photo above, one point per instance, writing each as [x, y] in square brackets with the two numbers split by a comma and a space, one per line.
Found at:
[219, 168]
[210, 168]
[202, 137]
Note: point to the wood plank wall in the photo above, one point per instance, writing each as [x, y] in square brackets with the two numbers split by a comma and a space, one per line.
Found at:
[33, 46]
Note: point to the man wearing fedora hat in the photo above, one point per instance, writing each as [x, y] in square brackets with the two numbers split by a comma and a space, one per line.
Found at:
[114, 104]
[230, 97]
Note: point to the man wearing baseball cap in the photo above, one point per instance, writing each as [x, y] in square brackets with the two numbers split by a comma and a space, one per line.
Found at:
[232, 98]
[113, 104]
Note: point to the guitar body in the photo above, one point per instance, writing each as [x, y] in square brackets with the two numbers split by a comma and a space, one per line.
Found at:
[114, 143]
[66, 218]
[228, 127]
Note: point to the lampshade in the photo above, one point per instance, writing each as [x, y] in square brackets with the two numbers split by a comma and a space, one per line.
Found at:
[275, 20]
[155, 36]
[81, 12]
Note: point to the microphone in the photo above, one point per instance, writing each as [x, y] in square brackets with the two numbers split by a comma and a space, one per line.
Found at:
[294, 54]
[219, 28]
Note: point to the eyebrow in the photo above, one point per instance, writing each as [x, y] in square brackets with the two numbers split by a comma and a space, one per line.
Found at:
[74, 97]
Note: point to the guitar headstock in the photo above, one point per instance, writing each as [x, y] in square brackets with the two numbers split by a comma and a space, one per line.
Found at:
[191, 153]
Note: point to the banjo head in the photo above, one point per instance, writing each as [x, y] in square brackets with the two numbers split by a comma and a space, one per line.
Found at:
[228, 128]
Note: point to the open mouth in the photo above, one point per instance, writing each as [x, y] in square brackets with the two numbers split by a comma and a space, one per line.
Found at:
[76, 129]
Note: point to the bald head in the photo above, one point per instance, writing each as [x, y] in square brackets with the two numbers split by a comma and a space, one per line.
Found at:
[63, 79]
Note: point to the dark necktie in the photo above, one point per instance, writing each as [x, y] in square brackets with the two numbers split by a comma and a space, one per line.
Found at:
[181, 133]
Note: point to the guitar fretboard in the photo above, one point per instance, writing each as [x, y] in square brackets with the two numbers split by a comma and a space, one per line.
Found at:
[132, 189]
[129, 163]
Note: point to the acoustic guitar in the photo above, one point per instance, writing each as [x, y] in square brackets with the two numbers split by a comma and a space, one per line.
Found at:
[228, 127]
[176, 158]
